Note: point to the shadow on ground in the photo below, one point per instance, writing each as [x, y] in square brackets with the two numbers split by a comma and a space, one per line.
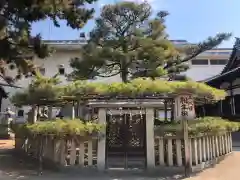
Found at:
[13, 166]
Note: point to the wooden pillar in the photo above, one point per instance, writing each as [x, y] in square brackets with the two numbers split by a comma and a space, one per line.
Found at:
[150, 138]
[101, 142]
[233, 105]
[232, 100]
[165, 111]
[221, 107]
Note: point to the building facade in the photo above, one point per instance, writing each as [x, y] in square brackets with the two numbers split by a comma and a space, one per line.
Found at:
[229, 80]
[204, 66]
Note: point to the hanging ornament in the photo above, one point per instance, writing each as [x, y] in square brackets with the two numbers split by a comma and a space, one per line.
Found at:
[141, 115]
[130, 118]
[112, 118]
[130, 114]
[121, 114]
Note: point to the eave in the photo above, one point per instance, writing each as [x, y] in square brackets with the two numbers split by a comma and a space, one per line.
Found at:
[227, 76]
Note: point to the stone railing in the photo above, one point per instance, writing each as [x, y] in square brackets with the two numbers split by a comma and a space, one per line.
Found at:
[77, 152]
[169, 151]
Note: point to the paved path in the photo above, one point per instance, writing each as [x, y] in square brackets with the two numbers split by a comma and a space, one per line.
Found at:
[228, 169]
[14, 168]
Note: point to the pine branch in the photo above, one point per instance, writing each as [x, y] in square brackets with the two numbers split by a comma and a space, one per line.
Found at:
[210, 43]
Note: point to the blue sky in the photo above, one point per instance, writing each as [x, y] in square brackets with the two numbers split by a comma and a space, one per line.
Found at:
[192, 20]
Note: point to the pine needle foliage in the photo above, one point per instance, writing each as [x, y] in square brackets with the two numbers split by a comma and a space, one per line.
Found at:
[18, 46]
[199, 127]
[60, 128]
[128, 40]
[48, 89]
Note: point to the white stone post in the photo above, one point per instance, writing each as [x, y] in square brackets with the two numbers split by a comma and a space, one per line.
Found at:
[184, 111]
[34, 114]
[177, 109]
[102, 141]
[50, 112]
[87, 115]
[73, 111]
[150, 138]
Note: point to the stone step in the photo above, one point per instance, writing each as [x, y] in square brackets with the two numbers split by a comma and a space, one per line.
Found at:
[120, 162]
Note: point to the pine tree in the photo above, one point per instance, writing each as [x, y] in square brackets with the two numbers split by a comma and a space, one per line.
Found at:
[16, 43]
[127, 41]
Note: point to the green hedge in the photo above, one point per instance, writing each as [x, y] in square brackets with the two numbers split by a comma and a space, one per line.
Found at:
[68, 127]
[199, 126]
[60, 128]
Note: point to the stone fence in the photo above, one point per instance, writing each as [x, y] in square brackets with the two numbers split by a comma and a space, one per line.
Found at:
[75, 152]
[169, 150]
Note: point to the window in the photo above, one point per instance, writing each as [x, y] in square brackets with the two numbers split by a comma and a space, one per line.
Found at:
[218, 61]
[199, 62]
[20, 113]
[61, 69]
[224, 53]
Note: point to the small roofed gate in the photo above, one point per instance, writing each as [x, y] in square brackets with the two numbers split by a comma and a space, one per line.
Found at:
[126, 139]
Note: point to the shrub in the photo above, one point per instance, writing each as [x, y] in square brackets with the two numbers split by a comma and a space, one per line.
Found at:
[60, 128]
[199, 126]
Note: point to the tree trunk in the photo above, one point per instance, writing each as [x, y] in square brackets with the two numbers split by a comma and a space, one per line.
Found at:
[124, 76]
[32, 115]
[153, 78]
[124, 67]
[124, 71]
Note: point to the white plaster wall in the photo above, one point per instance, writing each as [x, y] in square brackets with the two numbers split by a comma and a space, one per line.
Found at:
[201, 72]
[51, 68]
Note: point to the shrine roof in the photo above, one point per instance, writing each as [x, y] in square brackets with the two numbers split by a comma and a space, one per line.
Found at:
[230, 71]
